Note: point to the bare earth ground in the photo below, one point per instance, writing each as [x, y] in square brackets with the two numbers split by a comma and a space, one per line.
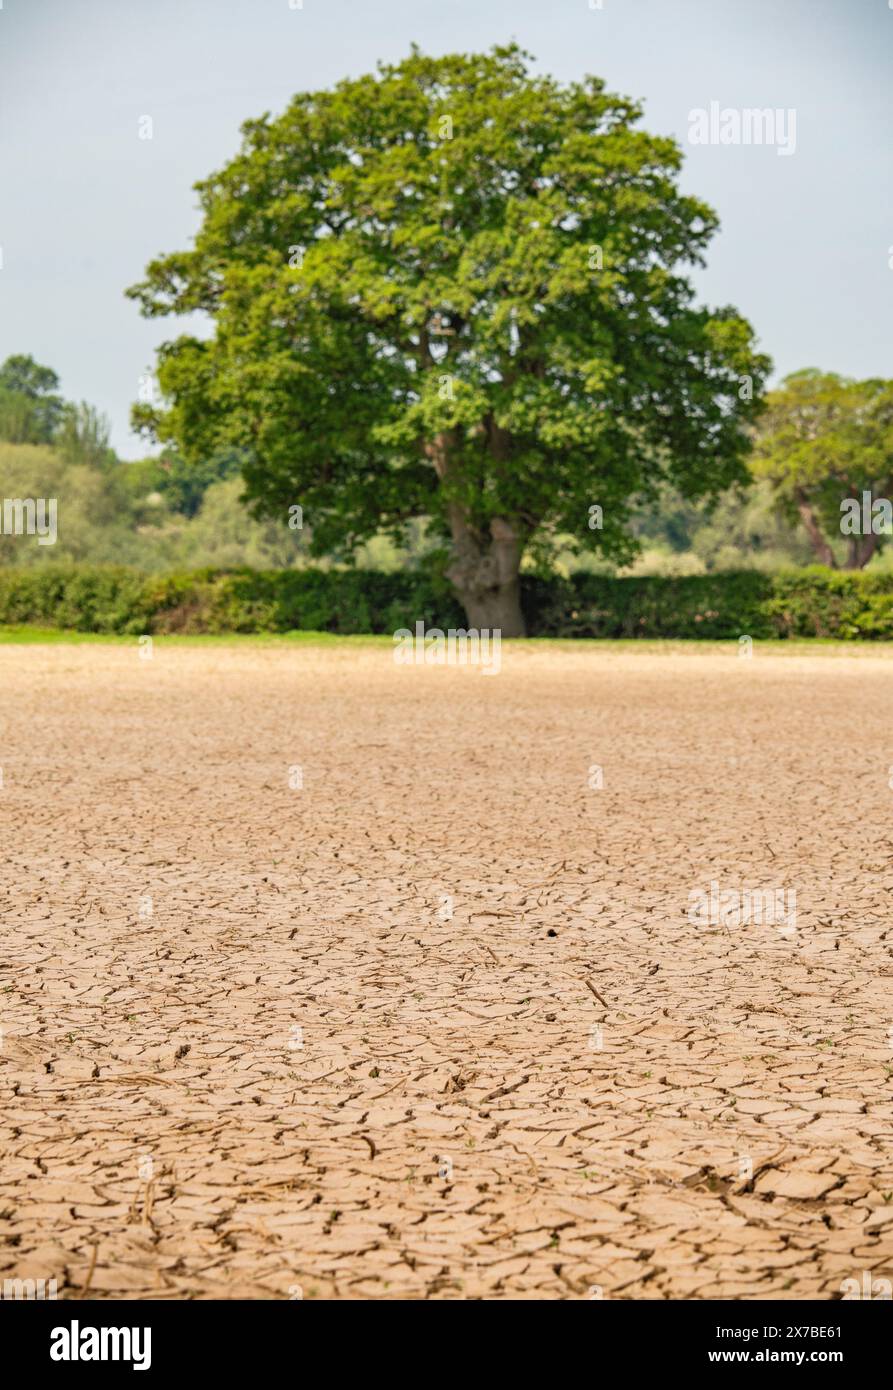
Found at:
[293, 1072]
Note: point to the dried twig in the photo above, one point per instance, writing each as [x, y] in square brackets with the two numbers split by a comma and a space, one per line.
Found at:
[86, 1284]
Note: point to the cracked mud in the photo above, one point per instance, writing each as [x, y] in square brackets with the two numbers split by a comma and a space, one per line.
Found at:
[437, 1022]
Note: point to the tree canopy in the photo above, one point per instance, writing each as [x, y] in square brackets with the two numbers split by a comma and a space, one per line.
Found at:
[30, 407]
[455, 289]
[826, 440]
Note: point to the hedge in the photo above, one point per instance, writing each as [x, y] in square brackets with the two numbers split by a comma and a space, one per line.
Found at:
[115, 599]
[813, 602]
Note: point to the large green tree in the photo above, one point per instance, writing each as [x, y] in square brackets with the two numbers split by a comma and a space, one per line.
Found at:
[826, 445]
[455, 289]
[30, 406]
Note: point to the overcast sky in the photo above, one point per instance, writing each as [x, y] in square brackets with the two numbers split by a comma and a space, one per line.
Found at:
[806, 243]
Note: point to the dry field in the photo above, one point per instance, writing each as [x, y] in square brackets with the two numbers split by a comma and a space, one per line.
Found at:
[437, 1024]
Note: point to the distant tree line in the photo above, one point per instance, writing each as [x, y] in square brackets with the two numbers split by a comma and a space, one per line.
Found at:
[822, 439]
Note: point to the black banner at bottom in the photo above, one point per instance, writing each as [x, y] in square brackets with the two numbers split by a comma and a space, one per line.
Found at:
[159, 1338]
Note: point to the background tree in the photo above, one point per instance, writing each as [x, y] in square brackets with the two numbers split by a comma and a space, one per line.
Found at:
[83, 435]
[742, 529]
[30, 408]
[825, 438]
[184, 485]
[453, 289]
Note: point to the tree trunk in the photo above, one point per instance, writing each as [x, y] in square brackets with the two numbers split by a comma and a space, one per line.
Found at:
[485, 573]
[820, 544]
[860, 550]
[484, 568]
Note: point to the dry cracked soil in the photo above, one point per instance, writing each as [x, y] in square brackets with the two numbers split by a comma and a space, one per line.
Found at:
[326, 978]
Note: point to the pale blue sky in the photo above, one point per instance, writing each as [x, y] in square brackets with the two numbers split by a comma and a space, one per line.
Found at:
[805, 245]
